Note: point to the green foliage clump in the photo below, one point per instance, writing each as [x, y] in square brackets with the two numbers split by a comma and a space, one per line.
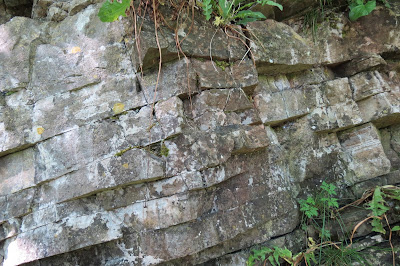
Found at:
[223, 11]
[111, 10]
[273, 258]
[237, 11]
[318, 212]
[360, 8]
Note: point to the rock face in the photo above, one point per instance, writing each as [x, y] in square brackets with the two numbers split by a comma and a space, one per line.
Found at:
[105, 161]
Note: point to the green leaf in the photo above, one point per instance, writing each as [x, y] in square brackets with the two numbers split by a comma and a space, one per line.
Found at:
[207, 9]
[270, 3]
[110, 11]
[377, 226]
[329, 188]
[377, 204]
[225, 6]
[396, 228]
[361, 9]
[249, 14]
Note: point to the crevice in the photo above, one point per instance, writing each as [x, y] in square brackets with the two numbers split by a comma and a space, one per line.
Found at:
[247, 41]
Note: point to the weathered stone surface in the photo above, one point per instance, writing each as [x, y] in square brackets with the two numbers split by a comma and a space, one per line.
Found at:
[358, 65]
[367, 84]
[17, 172]
[311, 76]
[170, 115]
[337, 109]
[383, 108]
[134, 166]
[139, 128]
[72, 109]
[368, 159]
[176, 79]
[220, 74]
[20, 203]
[347, 40]
[73, 233]
[214, 162]
[277, 48]
[18, 37]
[197, 42]
[390, 142]
[197, 151]
[56, 70]
[277, 102]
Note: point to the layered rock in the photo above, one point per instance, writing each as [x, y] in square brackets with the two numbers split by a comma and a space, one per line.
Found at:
[104, 160]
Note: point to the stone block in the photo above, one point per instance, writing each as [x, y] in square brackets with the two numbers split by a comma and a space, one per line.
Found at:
[170, 115]
[383, 109]
[367, 84]
[390, 146]
[277, 102]
[10, 228]
[197, 151]
[221, 74]
[278, 49]
[335, 108]
[70, 234]
[61, 113]
[311, 76]
[168, 187]
[15, 122]
[368, 158]
[62, 154]
[358, 65]
[133, 166]
[56, 70]
[140, 128]
[176, 79]
[160, 213]
[20, 203]
[39, 218]
[17, 36]
[17, 172]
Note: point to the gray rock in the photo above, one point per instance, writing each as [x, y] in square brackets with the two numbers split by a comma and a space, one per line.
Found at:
[367, 84]
[368, 158]
[17, 172]
[278, 49]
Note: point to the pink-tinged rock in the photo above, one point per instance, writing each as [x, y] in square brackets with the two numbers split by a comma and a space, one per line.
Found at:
[336, 109]
[69, 234]
[240, 74]
[362, 64]
[170, 115]
[277, 102]
[278, 49]
[367, 84]
[197, 151]
[17, 39]
[176, 79]
[367, 157]
[383, 109]
[17, 172]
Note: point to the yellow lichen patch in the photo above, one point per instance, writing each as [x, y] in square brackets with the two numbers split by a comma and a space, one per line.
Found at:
[118, 108]
[125, 165]
[75, 50]
[40, 130]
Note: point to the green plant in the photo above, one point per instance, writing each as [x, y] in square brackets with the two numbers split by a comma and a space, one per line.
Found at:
[318, 212]
[360, 8]
[236, 11]
[227, 11]
[111, 10]
[273, 258]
